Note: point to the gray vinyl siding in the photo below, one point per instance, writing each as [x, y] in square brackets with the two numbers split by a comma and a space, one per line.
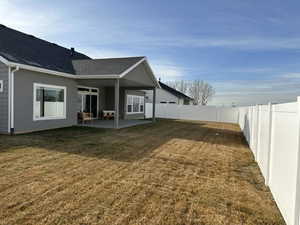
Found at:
[163, 96]
[110, 102]
[4, 99]
[23, 115]
[101, 99]
[124, 106]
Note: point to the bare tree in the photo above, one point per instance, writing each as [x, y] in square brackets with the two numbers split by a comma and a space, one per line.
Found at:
[201, 92]
[180, 85]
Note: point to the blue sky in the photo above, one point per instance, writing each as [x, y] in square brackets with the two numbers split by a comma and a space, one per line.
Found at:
[248, 50]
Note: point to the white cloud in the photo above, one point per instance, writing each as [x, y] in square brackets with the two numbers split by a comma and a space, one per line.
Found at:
[247, 43]
[27, 19]
[167, 73]
[42, 22]
[249, 92]
[106, 53]
[167, 70]
[291, 75]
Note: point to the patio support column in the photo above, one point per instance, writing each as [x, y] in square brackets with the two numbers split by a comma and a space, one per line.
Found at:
[153, 104]
[117, 94]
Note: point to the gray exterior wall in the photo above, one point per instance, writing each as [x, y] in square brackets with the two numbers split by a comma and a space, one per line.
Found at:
[110, 101]
[165, 96]
[23, 115]
[136, 115]
[162, 96]
[4, 99]
[23, 101]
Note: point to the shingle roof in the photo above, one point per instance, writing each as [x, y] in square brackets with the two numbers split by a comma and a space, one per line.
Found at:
[104, 66]
[26, 49]
[173, 91]
[22, 48]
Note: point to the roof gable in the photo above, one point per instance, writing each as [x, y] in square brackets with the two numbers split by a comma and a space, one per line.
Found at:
[107, 66]
[26, 49]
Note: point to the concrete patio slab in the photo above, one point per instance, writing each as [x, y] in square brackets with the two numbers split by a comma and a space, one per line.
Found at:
[110, 123]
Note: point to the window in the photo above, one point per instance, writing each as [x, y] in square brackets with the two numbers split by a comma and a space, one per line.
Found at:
[172, 102]
[87, 89]
[129, 103]
[142, 103]
[135, 104]
[83, 89]
[88, 100]
[1, 85]
[163, 102]
[49, 102]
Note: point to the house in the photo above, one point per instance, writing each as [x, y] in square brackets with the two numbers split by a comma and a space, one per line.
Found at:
[46, 86]
[168, 95]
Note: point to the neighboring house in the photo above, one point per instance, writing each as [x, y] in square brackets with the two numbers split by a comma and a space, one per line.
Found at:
[168, 95]
[44, 85]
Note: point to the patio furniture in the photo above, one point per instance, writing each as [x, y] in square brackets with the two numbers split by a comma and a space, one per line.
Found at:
[83, 116]
[108, 114]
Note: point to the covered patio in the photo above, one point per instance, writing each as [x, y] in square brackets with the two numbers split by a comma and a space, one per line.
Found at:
[117, 85]
[108, 124]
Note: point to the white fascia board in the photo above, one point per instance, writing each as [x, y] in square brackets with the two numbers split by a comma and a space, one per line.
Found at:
[132, 67]
[107, 76]
[144, 59]
[68, 75]
[42, 70]
[152, 74]
[4, 60]
[52, 72]
[34, 68]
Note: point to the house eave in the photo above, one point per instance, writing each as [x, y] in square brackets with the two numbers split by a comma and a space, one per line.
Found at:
[73, 76]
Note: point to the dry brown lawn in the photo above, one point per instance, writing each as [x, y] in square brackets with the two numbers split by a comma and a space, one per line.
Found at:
[172, 172]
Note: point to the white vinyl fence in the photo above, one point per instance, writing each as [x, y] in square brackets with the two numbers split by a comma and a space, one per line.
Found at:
[191, 112]
[273, 134]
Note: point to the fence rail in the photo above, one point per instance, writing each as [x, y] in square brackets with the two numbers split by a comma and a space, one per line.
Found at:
[273, 134]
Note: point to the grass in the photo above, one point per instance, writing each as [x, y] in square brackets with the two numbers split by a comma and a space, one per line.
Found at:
[172, 172]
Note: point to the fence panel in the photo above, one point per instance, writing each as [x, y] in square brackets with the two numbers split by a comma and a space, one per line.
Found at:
[191, 112]
[272, 132]
[283, 167]
[264, 139]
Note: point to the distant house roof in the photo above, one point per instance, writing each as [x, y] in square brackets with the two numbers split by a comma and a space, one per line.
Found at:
[26, 49]
[173, 91]
[104, 66]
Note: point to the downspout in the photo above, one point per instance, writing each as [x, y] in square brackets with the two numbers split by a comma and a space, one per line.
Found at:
[12, 102]
[9, 100]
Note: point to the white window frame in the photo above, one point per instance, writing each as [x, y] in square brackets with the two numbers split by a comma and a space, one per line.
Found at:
[35, 86]
[141, 99]
[89, 92]
[1, 86]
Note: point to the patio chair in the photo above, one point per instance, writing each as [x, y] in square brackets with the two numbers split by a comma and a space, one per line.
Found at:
[83, 117]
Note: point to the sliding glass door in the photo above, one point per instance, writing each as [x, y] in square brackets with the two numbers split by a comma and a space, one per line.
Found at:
[88, 101]
[94, 105]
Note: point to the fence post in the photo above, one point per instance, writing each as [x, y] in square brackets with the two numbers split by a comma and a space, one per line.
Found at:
[238, 116]
[267, 178]
[251, 129]
[257, 132]
[297, 195]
